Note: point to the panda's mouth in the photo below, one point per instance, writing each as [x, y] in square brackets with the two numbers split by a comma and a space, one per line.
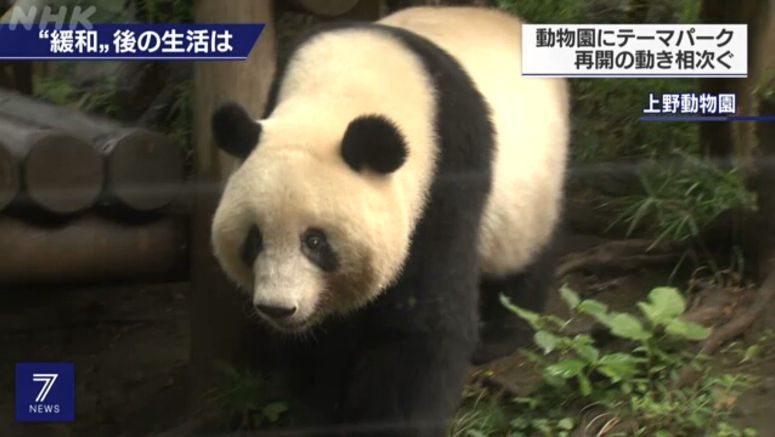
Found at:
[290, 326]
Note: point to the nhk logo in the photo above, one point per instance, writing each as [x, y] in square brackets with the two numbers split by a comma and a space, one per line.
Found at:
[45, 392]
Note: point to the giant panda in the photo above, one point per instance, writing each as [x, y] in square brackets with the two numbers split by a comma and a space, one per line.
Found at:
[402, 178]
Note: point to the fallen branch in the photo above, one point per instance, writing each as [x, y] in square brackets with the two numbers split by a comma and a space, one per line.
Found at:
[621, 254]
[91, 323]
[744, 320]
[703, 315]
[500, 385]
[715, 304]
[735, 327]
[512, 375]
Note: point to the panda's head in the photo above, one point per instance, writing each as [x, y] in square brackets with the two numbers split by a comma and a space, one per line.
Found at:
[310, 225]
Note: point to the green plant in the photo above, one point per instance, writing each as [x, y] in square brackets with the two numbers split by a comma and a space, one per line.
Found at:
[765, 86]
[607, 123]
[482, 417]
[604, 11]
[634, 385]
[680, 200]
[546, 11]
[580, 359]
[178, 123]
[166, 11]
[243, 400]
[59, 89]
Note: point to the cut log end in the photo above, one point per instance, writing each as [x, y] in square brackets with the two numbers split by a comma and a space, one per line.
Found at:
[9, 177]
[62, 174]
[144, 169]
[327, 8]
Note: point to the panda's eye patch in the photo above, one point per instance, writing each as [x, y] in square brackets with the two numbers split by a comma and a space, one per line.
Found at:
[314, 242]
[314, 245]
[252, 246]
[314, 239]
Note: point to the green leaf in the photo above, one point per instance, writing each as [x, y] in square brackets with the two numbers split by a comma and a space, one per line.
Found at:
[594, 308]
[530, 317]
[665, 304]
[543, 426]
[687, 330]
[551, 319]
[626, 326]
[528, 401]
[585, 339]
[751, 353]
[553, 380]
[532, 356]
[566, 369]
[570, 297]
[566, 424]
[546, 341]
[642, 210]
[520, 423]
[585, 386]
[274, 410]
[588, 352]
[618, 366]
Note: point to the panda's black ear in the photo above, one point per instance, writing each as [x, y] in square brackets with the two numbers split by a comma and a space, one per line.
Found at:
[375, 142]
[235, 132]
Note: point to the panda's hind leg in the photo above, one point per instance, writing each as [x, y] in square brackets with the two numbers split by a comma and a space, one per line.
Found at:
[501, 331]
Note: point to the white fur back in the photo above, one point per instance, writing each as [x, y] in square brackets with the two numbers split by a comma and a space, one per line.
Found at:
[530, 116]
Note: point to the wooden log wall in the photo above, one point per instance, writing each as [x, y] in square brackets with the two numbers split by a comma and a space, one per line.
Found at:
[10, 175]
[92, 249]
[143, 169]
[60, 173]
[86, 199]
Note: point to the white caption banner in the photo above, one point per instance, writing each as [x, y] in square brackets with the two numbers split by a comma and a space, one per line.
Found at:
[635, 50]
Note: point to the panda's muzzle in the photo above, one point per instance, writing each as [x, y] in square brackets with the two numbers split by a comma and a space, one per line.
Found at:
[275, 312]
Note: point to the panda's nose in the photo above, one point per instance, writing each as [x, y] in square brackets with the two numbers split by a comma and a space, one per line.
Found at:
[276, 312]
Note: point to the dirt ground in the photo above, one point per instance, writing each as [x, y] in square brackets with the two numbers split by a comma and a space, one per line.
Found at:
[756, 408]
[130, 348]
[129, 345]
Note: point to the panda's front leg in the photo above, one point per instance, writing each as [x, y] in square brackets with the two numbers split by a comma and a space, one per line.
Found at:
[409, 385]
[421, 334]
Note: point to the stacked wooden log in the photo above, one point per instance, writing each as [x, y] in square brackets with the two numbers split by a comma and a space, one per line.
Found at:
[327, 8]
[84, 198]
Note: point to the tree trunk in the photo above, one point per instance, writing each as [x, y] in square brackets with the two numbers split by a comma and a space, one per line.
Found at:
[217, 316]
[16, 75]
[718, 139]
[747, 145]
[761, 154]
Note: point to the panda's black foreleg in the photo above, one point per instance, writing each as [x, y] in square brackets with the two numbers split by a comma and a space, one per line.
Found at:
[407, 387]
[420, 335]
[502, 332]
[410, 372]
